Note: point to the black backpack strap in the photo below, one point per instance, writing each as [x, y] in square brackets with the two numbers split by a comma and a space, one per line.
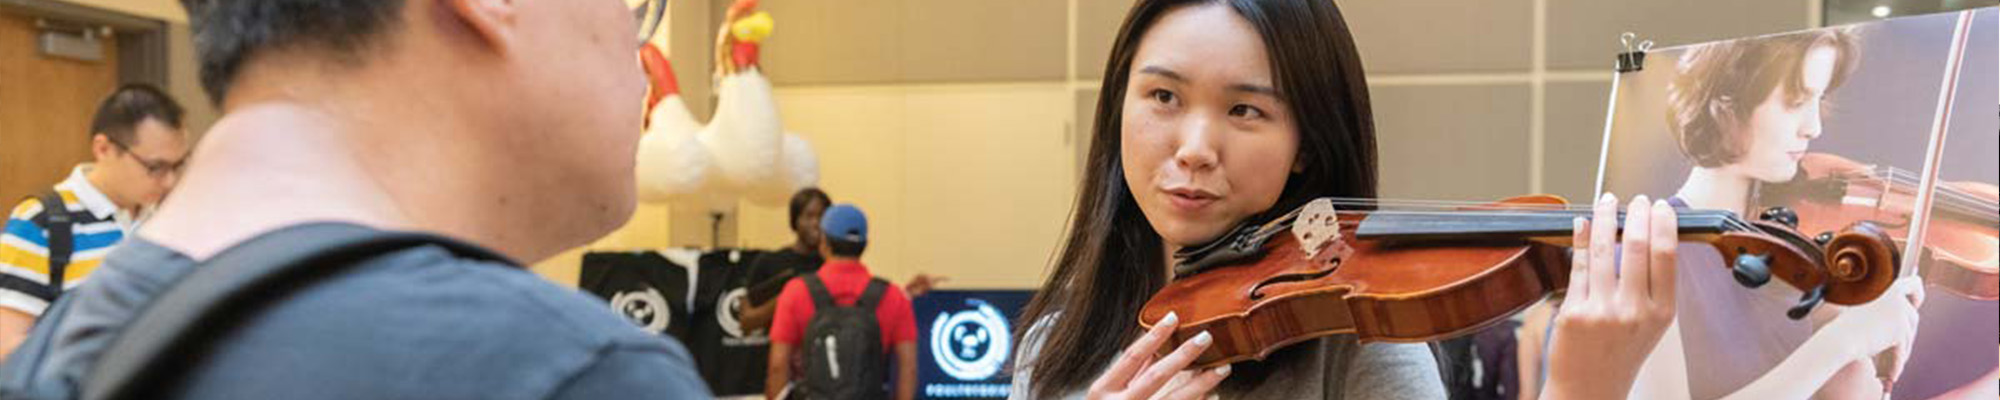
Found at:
[172, 333]
[822, 299]
[872, 296]
[57, 220]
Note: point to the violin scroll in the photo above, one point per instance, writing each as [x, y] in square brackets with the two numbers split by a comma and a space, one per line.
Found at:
[1860, 266]
[1861, 263]
[1852, 266]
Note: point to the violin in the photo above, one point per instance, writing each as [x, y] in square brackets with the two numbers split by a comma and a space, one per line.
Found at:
[1425, 271]
[1960, 253]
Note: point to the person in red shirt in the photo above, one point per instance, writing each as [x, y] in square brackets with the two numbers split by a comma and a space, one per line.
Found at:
[846, 235]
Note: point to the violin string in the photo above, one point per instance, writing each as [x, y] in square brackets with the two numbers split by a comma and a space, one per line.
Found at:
[1951, 198]
[1451, 204]
[1963, 203]
[1478, 208]
[1949, 195]
[1696, 218]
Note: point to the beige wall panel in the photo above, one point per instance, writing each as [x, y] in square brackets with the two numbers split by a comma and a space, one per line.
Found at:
[989, 183]
[983, 40]
[883, 41]
[1452, 142]
[967, 181]
[858, 136]
[824, 42]
[1084, 127]
[1573, 137]
[1406, 37]
[1584, 33]
[1097, 23]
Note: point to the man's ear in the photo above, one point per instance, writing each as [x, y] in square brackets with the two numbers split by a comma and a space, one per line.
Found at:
[491, 20]
[102, 148]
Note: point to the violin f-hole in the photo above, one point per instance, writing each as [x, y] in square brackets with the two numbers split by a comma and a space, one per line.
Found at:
[1257, 292]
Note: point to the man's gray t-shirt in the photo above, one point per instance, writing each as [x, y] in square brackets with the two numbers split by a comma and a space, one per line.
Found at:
[418, 323]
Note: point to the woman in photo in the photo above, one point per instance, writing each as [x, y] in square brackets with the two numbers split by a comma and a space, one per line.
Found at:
[1745, 113]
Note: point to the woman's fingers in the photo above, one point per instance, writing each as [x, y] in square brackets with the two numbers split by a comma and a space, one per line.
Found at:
[1633, 271]
[1198, 387]
[1136, 356]
[1603, 237]
[1665, 258]
[1579, 260]
[1156, 375]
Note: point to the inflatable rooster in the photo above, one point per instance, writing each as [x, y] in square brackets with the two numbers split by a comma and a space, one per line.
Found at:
[743, 153]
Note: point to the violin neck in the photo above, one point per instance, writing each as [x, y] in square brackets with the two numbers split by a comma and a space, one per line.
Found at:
[1555, 228]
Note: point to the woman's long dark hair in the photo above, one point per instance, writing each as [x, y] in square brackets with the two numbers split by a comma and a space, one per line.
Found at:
[1111, 262]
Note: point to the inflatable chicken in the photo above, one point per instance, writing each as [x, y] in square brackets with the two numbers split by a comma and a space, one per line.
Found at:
[743, 152]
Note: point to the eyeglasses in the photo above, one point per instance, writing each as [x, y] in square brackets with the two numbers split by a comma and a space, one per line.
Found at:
[157, 169]
[648, 13]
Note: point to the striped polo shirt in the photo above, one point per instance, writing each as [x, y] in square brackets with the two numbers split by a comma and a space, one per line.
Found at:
[24, 254]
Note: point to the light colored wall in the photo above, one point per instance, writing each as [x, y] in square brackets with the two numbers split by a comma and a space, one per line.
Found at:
[970, 181]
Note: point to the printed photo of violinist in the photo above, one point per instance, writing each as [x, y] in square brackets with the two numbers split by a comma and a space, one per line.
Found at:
[1834, 126]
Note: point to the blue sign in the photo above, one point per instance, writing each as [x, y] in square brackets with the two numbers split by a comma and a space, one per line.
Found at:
[966, 341]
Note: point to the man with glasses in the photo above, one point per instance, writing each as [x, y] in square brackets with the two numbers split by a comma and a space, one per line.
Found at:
[55, 239]
[503, 130]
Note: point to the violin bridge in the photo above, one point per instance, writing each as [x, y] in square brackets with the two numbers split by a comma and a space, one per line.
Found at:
[1317, 227]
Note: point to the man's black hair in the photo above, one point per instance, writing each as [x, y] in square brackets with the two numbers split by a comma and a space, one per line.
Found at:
[846, 248]
[119, 116]
[228, 33]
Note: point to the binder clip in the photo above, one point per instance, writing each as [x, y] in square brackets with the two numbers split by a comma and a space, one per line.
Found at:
[1634, 57]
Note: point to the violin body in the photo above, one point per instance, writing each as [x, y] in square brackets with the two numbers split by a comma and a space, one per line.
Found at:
[1394, 295]
[1962, 245]
[1417, 288]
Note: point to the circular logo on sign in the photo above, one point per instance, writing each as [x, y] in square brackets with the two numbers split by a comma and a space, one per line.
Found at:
[725, 311]
[645, 307]
[970, 345]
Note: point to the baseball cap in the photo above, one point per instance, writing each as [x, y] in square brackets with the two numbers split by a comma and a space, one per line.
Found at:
[844, 222]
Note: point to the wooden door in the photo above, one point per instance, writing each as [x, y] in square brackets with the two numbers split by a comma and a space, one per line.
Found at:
[45, 108]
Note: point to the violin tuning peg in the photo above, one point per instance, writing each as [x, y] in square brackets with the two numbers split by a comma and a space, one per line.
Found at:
[1807, 303]
[1781, 215]
[1752, 270]
[1824, 238]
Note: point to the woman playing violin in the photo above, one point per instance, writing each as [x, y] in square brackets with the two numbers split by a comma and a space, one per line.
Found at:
[1745, 112]
[1219, 113]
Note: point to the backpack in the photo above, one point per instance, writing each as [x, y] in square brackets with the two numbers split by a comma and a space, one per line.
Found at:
[56, 219]
[184, 320]
[844, 357]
